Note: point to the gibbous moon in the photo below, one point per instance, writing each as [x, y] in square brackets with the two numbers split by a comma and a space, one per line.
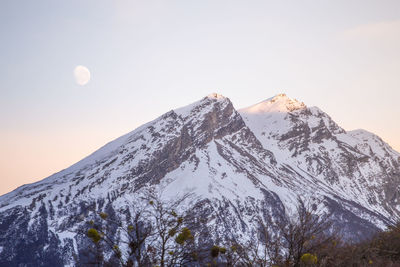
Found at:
[82, 75]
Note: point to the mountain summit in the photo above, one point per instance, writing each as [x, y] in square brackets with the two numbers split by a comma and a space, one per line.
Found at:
[237, 164]
[278, 103]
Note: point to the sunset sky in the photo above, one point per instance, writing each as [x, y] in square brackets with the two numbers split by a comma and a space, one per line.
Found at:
[148, 57]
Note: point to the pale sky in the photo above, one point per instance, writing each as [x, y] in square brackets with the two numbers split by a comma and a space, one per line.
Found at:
[148, 57]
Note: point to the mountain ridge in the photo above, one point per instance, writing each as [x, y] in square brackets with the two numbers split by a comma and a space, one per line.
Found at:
[252, 161]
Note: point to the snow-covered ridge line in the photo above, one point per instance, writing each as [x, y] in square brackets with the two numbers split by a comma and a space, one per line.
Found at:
[238, 164]
[278, 103]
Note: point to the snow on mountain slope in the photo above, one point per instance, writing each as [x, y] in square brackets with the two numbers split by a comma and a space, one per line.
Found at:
[236, 164]
[357, 166]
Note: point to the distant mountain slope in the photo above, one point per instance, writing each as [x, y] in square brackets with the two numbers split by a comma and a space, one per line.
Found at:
[237, 164]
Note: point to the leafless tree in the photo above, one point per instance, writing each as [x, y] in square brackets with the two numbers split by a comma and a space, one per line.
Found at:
[172, 244]
[307, 232]
[287, 240]
[155, 233]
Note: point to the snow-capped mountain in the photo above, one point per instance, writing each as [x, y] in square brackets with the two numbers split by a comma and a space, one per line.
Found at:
[236, 163]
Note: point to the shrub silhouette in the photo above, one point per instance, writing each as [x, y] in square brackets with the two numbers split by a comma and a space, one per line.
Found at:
[94, 235]
[309, 259]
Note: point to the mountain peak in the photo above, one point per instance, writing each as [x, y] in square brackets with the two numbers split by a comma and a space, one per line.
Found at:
[215, 96]
[232, 166]
[278, 103]
[282, 95]
[204, 104]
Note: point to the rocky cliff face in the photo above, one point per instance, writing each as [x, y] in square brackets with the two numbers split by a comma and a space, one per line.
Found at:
[237, 164]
